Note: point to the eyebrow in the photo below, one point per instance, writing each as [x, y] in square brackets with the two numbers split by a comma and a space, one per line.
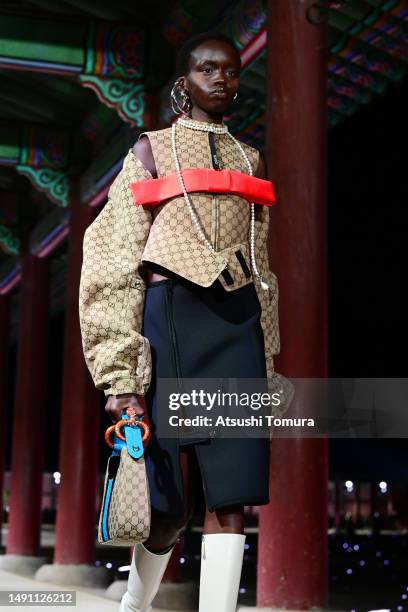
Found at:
[208, 61]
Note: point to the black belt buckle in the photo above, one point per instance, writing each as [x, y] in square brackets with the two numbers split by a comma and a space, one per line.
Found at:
[239, 255]
[227, 276]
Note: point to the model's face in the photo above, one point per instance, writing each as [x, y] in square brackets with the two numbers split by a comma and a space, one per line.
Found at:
[213, 79]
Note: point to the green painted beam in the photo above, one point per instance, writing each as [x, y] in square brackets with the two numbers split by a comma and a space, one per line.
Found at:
[34, 146]
[107, 57]
[43, 40]
[53, 183]
[94, 48]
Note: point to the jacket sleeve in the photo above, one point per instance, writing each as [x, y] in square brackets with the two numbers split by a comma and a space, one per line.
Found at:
[112, 291]
[268, 298]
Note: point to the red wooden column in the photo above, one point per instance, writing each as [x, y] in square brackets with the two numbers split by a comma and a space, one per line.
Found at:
[80, 414]
[292, 563]
[5, 408]
[29, 410]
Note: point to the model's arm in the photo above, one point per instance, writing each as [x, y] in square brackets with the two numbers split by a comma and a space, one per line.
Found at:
[112, 291]
[261, 170]
[269, 298]
[143, 151]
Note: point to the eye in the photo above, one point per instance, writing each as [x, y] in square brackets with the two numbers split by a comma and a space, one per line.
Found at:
[207, 70]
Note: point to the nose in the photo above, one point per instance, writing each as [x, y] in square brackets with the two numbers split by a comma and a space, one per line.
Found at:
[219, 78]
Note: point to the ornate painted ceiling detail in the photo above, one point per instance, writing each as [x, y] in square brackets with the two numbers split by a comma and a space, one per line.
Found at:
[115, 52]
[246, 27]
[33, 145]
[9, 243]
[48, 45]
[247, 20]
[357, 75]
[41, 45]
[41, 155]
[123, 95]
[368, 51]
[110, 61]
[54, 183]
[367, 43]
[44, 148]
[368, 47]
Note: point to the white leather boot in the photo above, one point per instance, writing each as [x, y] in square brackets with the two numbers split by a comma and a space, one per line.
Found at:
[145, 575]
[221, 564]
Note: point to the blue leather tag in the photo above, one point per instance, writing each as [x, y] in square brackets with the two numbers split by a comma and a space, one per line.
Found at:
[134, 442]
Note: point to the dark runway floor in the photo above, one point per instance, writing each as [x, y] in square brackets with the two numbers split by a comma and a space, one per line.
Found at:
[367, 571]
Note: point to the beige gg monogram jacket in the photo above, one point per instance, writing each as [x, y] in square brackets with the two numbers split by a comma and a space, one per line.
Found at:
[125, 235]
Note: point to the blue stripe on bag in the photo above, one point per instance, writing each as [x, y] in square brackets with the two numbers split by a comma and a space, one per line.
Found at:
[105, 510]
[135, 449]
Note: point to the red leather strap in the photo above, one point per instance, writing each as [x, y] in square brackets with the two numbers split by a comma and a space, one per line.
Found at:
[152, 192]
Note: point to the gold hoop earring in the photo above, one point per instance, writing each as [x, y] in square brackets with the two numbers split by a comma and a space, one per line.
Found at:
[175, 103]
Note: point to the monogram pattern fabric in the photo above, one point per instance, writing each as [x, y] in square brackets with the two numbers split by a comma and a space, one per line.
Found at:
[224, 219]
[129, 510]
[268, 299]
[111, 291]
[125, 236]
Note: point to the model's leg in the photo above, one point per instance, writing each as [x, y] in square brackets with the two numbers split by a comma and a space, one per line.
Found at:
[151, 557]
[224, 520]
[222, 553]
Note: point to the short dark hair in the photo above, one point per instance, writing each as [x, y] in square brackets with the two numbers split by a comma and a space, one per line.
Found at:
[184, 54]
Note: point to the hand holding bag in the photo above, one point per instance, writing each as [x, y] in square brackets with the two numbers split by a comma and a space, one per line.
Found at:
[125, 514]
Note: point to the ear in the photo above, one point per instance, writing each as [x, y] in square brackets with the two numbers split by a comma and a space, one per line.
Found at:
[182, 83]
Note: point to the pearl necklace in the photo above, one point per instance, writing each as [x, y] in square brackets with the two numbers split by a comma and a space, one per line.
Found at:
[211, 127]
[203, 126]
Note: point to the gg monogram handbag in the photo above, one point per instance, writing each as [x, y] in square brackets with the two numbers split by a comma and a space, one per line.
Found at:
[125, 512]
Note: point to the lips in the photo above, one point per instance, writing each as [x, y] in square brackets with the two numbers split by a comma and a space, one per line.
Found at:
[219, 93]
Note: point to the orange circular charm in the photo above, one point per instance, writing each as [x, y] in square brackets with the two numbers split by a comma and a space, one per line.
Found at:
[108, 433]
[116, 427]
[121, 423]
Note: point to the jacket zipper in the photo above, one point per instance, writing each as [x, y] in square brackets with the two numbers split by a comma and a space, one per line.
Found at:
[203, 541]
[217, 223]
[173, 331]
[215, 162]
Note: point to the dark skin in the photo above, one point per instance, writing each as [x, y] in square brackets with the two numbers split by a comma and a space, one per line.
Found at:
[214, 65]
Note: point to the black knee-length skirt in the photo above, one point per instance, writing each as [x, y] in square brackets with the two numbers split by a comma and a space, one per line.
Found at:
[215, 333]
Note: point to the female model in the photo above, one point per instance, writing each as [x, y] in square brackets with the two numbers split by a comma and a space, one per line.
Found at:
[179, 286]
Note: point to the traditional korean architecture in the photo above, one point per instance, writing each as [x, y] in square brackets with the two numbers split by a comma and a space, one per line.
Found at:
[79, 81]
